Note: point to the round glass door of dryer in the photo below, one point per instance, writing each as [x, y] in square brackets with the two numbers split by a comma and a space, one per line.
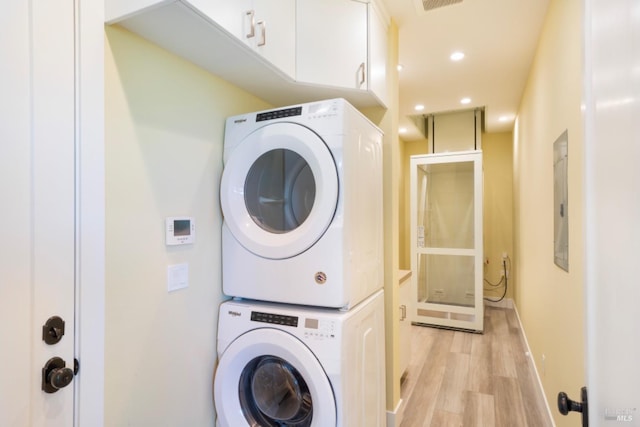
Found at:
[279, 190]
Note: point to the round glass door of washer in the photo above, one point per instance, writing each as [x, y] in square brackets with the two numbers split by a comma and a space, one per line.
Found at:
[273, 393]
[279, 190]
[267, 377]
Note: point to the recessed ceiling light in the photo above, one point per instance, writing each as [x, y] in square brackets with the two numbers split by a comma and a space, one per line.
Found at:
[400, 67]
[505, 118]
[419, 107]
[457, 56]
[465, 101]
[402, 130]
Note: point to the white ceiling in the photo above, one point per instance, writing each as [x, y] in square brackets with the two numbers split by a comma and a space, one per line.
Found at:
[498, 38]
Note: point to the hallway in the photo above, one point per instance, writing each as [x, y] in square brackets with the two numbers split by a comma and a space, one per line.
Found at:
[463, 379]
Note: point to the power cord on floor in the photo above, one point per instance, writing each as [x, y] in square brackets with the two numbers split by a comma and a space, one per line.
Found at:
[504, 279]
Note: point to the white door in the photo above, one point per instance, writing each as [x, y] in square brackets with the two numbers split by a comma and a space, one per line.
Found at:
[612, 138]
[446, 240]
[37, 241]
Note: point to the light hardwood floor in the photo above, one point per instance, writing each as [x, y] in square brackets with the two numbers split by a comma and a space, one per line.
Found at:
[464, 379]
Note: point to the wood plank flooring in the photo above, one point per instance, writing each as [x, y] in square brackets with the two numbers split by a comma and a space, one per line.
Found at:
[481, 380]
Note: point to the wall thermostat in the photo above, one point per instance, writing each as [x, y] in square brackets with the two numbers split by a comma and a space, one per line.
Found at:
[180, 230]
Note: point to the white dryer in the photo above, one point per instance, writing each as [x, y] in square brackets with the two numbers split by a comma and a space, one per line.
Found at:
[301, 195]
[283, 365]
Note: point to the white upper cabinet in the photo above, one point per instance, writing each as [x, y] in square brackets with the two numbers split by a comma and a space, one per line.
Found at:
[283, 51]
[332, 43]
[377, 50]
[341, 43]
[268, 27]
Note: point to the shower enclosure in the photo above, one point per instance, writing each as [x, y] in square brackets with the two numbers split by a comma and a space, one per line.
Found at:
[446, 240]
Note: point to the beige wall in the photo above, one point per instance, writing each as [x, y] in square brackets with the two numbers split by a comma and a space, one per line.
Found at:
[550, 300]
[497, 158]
[497, 210]
[164, 120]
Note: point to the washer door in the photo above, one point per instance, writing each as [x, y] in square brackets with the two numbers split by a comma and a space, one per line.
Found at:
[279, 190]
[267, 377]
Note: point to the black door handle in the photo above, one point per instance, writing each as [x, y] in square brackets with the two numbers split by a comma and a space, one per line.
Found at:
[566, 405]
[56, 375]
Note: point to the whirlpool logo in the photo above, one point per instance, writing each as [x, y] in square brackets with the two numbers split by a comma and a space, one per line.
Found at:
[234, 313]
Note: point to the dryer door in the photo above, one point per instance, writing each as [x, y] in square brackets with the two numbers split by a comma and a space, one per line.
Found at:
[268, 377]
[279, 190]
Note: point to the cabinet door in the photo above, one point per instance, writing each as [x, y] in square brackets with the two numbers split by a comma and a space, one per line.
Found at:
[332, 43]
[265, 26]
[233, 16]
[405, 325]
[377, 70]
[275, 33]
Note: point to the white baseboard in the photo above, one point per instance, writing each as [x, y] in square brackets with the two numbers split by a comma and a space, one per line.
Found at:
[535, 369]
[505, 303]
[394, 418]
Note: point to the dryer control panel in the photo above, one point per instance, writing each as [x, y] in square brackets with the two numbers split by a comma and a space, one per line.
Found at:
[278, 114]
[276, 319]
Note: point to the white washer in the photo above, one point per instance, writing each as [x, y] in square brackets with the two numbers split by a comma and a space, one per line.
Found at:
[284, 365]
[301, 194]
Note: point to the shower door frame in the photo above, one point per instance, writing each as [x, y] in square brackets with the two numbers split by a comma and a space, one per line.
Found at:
[441, 314]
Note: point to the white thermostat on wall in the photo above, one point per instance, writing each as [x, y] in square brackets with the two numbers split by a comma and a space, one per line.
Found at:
[180, 230]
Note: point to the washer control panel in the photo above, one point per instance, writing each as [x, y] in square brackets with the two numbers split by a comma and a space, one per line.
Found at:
[319, 328]
[308, 327]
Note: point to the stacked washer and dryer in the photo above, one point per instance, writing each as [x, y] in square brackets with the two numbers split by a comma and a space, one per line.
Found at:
[302, 341]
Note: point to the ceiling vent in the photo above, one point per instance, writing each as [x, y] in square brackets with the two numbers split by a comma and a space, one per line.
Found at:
[427, 5]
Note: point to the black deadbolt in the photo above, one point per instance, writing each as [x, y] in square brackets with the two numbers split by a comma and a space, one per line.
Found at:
[53, 330]
[55, 375]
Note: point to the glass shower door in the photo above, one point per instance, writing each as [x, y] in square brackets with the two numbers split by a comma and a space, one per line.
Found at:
[446, 243]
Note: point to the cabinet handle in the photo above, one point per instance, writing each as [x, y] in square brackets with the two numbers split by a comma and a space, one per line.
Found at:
[252, 31]
[403, 311]
[361, 72]
[263, 33]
